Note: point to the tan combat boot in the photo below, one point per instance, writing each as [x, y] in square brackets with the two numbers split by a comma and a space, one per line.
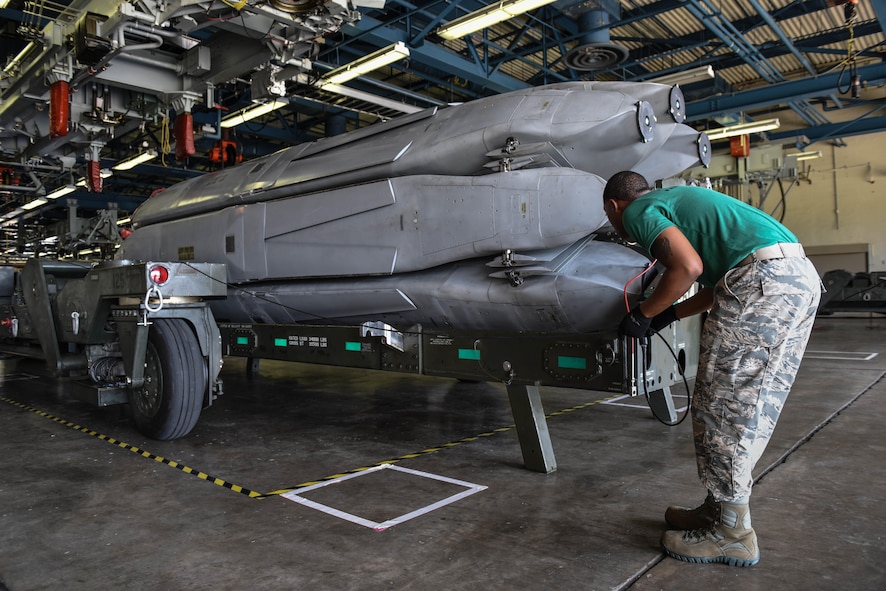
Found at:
[730, 539]
[685, 518]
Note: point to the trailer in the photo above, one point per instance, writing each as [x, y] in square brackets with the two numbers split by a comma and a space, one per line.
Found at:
[143, 334]
[139, 333]
[467, 241]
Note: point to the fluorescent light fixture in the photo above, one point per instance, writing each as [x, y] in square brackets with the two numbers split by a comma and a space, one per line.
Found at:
[60, 192]
[367, 63]
[20, 57]
[248, 113]
[35, 203]
[370, 98]
[743, 129]
[686, 76]
[486, 17]
[135, 160]
[806, 155]
[3, 3]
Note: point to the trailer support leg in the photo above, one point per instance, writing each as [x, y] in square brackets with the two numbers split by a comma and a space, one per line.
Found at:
[662, 404]
[532, 428]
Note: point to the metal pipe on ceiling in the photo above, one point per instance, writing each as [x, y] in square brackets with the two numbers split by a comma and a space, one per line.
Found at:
[775, 94]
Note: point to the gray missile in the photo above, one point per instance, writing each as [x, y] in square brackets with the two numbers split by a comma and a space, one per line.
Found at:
[384, 227]
[483, 215]
[569, 125]
[576, 288]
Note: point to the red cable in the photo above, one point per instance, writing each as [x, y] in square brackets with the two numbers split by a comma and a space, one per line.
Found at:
[637, 276]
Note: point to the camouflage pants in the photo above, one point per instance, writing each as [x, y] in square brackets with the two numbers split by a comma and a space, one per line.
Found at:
[751, 346]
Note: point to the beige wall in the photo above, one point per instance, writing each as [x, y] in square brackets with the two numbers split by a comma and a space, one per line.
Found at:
[841, 197]
[838, 206]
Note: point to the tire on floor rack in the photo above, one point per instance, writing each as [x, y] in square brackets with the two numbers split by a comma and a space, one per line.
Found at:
[168, 405]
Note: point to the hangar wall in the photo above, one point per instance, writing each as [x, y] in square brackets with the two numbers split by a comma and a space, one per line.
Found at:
[840, 200]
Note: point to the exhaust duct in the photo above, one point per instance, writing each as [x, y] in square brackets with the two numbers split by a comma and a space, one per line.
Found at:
[594, 50]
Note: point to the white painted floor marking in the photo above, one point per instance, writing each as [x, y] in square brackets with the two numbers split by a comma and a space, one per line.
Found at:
[840, 355]
[381, 526]
[641, 402]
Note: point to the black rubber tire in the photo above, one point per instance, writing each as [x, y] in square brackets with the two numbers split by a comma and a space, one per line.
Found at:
[168, 405]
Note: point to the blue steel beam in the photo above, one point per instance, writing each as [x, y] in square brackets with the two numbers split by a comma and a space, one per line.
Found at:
[830, 131]
[655, 48]
[786, 41]
[778, 94]
[716, 22]
[879, 7]
[434, 56]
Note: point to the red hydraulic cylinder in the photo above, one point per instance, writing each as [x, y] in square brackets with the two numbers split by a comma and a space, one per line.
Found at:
[183, 130]
[94, 176]
[59, 109]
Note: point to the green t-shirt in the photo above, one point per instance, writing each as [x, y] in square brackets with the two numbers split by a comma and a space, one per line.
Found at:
[722, 230]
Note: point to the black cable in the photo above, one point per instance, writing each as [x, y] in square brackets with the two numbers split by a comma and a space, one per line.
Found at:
[783, 204]
[682, 375]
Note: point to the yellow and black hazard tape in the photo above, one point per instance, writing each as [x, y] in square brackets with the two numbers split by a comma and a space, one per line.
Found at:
[257, 495]
[145, 454]
[584, 405]
[409, 456]
[431, 450]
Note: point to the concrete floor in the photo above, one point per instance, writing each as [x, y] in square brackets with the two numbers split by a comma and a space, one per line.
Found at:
[80, 512]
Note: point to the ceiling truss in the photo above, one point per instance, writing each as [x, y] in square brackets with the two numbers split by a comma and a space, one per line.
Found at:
[208, 58]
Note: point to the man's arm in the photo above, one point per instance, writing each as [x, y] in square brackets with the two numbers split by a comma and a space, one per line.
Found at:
[683, 265]
[700, 302]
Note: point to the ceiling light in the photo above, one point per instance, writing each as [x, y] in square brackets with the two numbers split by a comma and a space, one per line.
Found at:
[135, 160]
[19, 57]
[371, 98]
[686, 76]
[35, 203]
[806, 155]
[486, 17]
[60, 192]
[743, 129]
[257, 110]
[373, 61]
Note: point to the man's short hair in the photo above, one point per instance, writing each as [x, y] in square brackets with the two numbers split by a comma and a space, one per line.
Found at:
[626, 185]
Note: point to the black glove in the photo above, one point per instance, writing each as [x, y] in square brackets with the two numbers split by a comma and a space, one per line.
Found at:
[663, 319]
[634, 324]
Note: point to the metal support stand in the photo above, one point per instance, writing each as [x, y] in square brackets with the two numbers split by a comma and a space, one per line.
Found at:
[662, 404]
[532, 428]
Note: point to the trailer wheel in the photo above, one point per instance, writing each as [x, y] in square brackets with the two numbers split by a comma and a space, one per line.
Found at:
[168, 405]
